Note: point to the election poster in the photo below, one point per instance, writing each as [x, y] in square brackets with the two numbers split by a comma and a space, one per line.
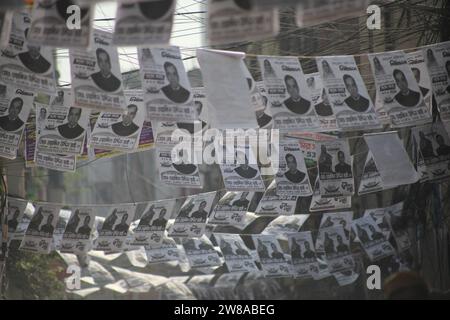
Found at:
[77, 235]
[273, 261]
[231, 208]
[164, 251]
[200, 252]
[273, 204]
[303, 255]
[337, 248]
[237, 256]
[416, 61]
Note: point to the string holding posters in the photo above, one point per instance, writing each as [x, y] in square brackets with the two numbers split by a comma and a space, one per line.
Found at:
[289, 96]
[51, 20]
[233, 20]
[167, 91]
[273, 262]
[335, 168]
[416, 61]
[398, 89]
[291, 175]
[437, 58]
[118, 130]
[231, 208]
[64, 126]
[152, 224]
[192, 216]
[77, 234]
[347, 93]
[139, 22]
[200, 252]
[96, 76]
[23, 64]
[372, 239]
[39, 235]
[237, 256]
[113, 233]
[15, 107]
[432, 145]
[303, 256]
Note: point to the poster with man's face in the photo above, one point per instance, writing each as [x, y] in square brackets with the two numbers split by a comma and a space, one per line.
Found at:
[243, 173]
[337, 248]
[303, 255]
[372, 238]
[39, 235]
[114, 230]
[261, 103]
[335, 166]
[62, 126]
[15, 209]
[192, 216]
[238, 257]
[200, 252]
[118, 130]
[49, 25]
[164, 251]
[96, 76]
[26, 65]
[292, 176]
[273, 204]
[432, 145]
[238, 20]
[167, 91]
[290, 99]
[15, 106]
[152, 224]
[347, 93]
[437, 58]
[77, 234]
[148, 21]
[398, 89]
[416, 61]
[273, 262]
[231, 208]
[335, 219]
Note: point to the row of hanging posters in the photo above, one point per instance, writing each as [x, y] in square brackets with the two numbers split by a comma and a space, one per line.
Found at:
[328, 253]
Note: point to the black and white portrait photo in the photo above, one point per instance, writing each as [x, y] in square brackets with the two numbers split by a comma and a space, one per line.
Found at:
[126, 127]
[405, 97]
[244, 170]
[71, 129]
[104, 79]
[12, 121]
[295, 103]
[355, 101]
[417, 76]
[155, 10]
[323, 109]
[293, 174]
[342, 166]
[32, 58]
[174, 91]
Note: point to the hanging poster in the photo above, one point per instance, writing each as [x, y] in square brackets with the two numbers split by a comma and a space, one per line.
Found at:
[231, 208]
[120, 131]
[303, 256]
[394, 217]
[23, 64]
[261, 103]
[200, 252]
[437, 58]
[335, 219]
[337, 248]
[416, 61]
[96, 76]
[347, 93]
[191, 219]
[335, 168]
[77, 234]
[273, 204]
[273, 262]
[235, 21]
[15, 210]
[292, 177]
[63, 127]
[237, 256]
[319, 203]
[291, 101]
[152, 224]
[148, 21]
[165, 251]
[51, 19]
[371, 178]
[398, 89]
[58, 162]
[432, 151]
[372, 239]
[167, 91]
[39, 235]
[114, 230]
[286, 224]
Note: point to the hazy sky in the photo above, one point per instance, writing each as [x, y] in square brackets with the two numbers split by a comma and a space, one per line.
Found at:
[188, 32]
